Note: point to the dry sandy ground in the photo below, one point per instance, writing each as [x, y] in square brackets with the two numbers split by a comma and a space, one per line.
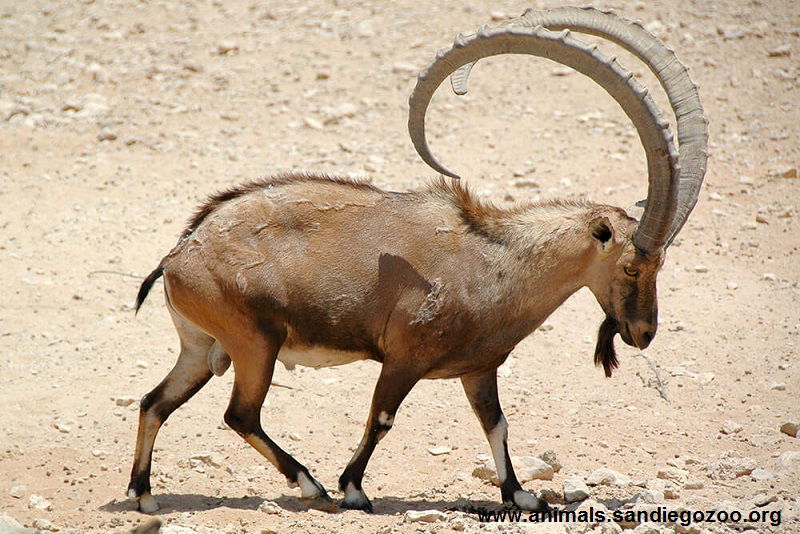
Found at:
[117, 118]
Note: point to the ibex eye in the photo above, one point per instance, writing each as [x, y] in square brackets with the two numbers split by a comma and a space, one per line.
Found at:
[630, 271]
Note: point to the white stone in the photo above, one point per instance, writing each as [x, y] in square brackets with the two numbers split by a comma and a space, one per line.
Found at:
[269, 507]
[438, 451]
[730, 465]
[607, 477]
[731, 427]
[37, 502]
[575, 489]
[423, 516]
[760, 474]
[531, 468]
[679, 476]
[786, 459]
[17, 491]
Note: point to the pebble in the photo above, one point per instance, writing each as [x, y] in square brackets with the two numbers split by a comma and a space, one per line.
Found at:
[269, 507]
[64, 425]
[575, 489]
[732, 285]
[37, 502]
[784, 171]
[438, 451]
[125, 400]
[777, 386]
[17, 491]
[8, 521]
[731, 427]
[141, 364]
[313, 123]
[531, 468]
[786, 459]
[700, 269]
[791, 428]
[693, 484]
[674, 474]
[760, 474]
[525, 182]
[212, 459]
[44, 524]
[423, 516]
[769, 277]
[607, 477]
[781, 51]
[730, 465]
[225, 48]
[549, 456]
[762, 499]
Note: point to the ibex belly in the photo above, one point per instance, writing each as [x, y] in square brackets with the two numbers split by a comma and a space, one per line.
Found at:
[317, 356]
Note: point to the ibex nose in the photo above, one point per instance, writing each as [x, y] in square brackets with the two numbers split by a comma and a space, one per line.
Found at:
[643, 333]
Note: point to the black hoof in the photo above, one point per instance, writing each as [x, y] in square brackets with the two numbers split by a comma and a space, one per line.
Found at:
[364, 505]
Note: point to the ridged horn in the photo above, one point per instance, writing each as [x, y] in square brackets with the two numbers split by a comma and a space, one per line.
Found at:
[654, 132]
[671, 73]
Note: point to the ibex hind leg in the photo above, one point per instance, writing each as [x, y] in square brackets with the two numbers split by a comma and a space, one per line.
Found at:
[190, 373]
[254, 364]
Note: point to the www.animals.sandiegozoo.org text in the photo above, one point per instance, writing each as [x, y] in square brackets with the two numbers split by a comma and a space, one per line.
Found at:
[661, 514]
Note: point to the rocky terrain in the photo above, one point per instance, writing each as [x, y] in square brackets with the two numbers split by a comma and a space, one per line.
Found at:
[117, 118]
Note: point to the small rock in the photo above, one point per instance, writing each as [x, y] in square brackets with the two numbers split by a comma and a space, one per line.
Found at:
[731, 465]
[106, 134]
[550, 495]
[8, 521]
[700, 269]
[525, 182]
[650, 496]
[777, 386]
[693, 484]
[125, 400]
[784, 171]
[141, 364]
[212, 459]
[674, 474]
[99, 453]
[269, 507]
[732, 285]
[760, 474]
[549, 456]
[761, 219]
[791, 428]
[607, 477]
[575, 489]
[313, 123]
[225, 48]
[64, 425]
[45, 524]
[531, 468]
[769, 277]
[17, 491]
[731, 427]
[423, 516]
[438, 451]
[781, 51]
[37, 502]
[762, 499]
[786, 459]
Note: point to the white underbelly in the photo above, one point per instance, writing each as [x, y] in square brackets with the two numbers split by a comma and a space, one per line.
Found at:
[316, 356]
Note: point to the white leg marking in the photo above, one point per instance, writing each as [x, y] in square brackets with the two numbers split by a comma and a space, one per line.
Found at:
[353, 496]
[385, 419]
[525, 501]
[497, 436]
[308, 489]
[148, 504]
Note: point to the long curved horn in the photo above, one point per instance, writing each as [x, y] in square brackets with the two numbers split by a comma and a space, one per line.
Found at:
[654, 132]
[671, 73]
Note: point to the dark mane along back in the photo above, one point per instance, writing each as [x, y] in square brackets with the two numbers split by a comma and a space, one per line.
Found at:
[217, 199]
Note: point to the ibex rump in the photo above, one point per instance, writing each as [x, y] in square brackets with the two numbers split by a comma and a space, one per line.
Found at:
[322, 271]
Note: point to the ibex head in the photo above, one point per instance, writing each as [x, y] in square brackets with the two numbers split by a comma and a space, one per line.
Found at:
[630, 251]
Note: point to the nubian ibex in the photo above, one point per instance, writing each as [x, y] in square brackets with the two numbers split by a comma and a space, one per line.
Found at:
[322, 271]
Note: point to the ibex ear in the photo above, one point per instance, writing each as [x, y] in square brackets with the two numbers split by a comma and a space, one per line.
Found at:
[603, 233]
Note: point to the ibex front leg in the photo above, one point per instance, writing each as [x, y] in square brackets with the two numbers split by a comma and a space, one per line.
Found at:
[482, 394]
[392, 387]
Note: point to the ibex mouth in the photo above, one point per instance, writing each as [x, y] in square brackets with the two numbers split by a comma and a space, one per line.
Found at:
[625, 334]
